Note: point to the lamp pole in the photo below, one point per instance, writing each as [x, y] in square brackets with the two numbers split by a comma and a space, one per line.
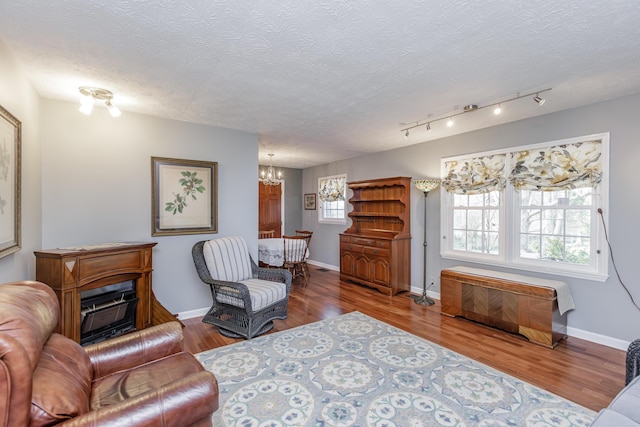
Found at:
[425, 185]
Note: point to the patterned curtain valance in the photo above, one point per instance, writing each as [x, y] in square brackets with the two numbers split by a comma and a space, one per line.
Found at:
[475, 175]
[331, 189]
[556, 168]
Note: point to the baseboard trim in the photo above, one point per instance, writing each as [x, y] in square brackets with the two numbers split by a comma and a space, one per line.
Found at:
[572, 332]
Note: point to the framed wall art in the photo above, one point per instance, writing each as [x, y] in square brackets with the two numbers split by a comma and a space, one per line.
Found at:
[10, 182]
[310, 202]
[183, 197]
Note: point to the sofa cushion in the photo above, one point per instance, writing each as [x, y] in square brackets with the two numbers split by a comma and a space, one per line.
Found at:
[29, 312]
[626, 402]
[123, 385]
[227, 259]
[61, 382]
[609, 418]
[263, 293]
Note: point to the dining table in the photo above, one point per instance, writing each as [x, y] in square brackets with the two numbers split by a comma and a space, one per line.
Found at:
[271, 251]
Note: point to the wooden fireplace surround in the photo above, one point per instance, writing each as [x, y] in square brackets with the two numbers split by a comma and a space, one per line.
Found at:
[70, 271]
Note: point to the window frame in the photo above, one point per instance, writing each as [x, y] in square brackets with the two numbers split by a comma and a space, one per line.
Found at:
[321, 205]
[509, 227]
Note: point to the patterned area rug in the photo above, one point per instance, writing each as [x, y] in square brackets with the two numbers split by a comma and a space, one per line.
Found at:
[354, 370]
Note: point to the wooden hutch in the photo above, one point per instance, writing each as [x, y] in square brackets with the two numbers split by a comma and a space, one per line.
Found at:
[376, 250]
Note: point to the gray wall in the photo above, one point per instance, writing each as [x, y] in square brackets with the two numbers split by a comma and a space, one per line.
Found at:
[604, 310]
[96, 187]
[19, 98]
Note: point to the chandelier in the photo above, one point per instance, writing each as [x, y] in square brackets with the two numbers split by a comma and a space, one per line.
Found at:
[269, 177]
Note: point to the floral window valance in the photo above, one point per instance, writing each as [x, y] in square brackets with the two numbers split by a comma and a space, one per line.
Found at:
[560, 167]
[331, 189]
[475, 175]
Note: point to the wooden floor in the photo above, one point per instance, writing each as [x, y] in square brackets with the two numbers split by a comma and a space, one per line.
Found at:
[581, 371]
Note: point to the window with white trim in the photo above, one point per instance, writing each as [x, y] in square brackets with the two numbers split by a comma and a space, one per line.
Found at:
[332, 191]
[537, 208]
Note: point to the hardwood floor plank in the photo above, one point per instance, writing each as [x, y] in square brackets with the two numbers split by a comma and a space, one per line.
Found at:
[581, 371]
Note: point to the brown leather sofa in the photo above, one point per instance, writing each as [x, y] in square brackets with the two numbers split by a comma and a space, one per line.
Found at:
[139, 379]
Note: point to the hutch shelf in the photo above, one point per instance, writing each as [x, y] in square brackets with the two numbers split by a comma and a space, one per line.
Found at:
[376, 250]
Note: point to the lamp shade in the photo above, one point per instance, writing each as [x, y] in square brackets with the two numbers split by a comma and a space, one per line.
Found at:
[426, 185]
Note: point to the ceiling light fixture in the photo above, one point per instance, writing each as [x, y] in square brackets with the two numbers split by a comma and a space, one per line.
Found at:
[269, 177]
[91, 94]
[470, 108]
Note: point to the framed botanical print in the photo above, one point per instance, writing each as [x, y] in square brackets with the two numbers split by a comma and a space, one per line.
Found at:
[10, 182]
[183, 197]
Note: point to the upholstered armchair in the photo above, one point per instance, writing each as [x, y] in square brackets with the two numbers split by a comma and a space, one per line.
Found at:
[139, 379]
[246, 298]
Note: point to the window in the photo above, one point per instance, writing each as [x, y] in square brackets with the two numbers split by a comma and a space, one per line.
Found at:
[476, 222]
[532, 208]
[332, 192]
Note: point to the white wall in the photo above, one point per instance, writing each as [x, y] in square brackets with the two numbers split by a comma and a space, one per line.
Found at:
[96, 188]
[19, 98]
[603, 309]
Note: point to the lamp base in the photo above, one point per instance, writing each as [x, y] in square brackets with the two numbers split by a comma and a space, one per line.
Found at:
[422, 299]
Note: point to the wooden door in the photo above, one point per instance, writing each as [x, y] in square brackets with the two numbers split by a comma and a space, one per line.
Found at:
[269, 208]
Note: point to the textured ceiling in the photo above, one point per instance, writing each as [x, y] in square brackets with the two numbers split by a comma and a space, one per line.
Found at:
[325, 80]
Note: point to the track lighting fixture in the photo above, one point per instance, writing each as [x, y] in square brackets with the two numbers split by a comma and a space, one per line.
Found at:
[470, 108]
[91, 94]
[539, 100]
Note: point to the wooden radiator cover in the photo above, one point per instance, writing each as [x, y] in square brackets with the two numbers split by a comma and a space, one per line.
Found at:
[522, 308]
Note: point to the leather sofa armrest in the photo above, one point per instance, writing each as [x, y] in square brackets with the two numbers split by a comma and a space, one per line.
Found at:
[181, 403]
[135, 348]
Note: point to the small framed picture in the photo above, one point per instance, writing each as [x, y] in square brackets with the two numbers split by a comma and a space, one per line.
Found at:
[310, 201]
[183, 197]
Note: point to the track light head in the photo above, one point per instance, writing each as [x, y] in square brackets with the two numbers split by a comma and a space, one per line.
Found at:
[91, 94]
[450, 122]
[86, 105]
[406, 134]
[115, 111]
[539, 100]
[497, 110]
[429, 127]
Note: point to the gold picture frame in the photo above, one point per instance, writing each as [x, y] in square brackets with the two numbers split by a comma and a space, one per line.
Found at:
[10, 182]
[310, 202]
[184, 197]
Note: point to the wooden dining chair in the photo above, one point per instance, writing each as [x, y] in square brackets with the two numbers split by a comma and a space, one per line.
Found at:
[266, 234]
[295, 256]
[307, 235]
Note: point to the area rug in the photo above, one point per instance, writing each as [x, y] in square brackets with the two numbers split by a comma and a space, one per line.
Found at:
[354, 370]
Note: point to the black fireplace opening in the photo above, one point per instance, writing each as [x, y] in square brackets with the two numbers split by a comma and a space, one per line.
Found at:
[107, 312]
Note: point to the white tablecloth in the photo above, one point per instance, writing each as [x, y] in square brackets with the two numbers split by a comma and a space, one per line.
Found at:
[271, 251]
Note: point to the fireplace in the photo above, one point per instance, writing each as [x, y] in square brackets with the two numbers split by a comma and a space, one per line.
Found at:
[107, 312]
[104, 290]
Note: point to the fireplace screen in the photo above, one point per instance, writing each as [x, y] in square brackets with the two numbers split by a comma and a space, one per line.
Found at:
[107, 312]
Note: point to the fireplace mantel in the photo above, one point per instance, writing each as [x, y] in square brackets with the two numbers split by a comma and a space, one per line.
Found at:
[73, 270]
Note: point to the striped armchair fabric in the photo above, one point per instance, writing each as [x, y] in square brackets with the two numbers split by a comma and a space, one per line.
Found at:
[246, 298]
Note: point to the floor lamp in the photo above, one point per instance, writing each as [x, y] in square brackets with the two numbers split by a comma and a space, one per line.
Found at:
[425, 185]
